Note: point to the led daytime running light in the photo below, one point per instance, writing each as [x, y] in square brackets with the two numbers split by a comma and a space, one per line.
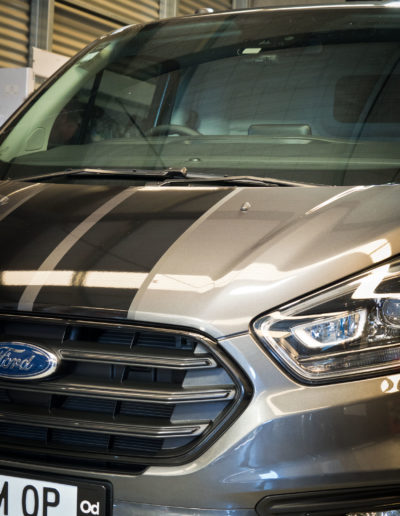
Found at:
[331, 331]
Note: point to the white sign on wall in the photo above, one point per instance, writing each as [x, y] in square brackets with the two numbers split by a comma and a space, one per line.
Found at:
[46, 63]
[16, 84]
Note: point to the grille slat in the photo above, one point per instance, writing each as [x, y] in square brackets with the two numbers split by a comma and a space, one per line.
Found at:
[114, 399]
[131, 391]
[122, 425]
[143, 357]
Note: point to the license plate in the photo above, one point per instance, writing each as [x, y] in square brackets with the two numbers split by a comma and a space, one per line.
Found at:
[21, 496]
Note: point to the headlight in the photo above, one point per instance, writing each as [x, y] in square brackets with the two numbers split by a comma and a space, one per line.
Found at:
[346, 331]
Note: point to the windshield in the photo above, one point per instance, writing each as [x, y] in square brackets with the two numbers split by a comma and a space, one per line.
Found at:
[308, 95]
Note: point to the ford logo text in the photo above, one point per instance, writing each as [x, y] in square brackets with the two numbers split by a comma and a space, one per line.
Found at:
[23, 361]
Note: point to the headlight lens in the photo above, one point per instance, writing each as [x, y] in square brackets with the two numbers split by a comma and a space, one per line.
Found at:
[349, 330]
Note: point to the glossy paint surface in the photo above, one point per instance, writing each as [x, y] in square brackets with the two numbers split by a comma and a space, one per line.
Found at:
[194, 257]
[186, 256]
[291, 438]
[199, 261]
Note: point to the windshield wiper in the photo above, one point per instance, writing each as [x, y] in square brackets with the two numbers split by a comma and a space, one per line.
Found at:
[168, 177]
[233, 181]
[162, 174]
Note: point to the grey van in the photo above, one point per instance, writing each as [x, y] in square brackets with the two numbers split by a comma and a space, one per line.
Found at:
[200, 271]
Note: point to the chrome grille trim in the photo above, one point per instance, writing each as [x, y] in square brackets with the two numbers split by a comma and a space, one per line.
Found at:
[96, 425]
[141, 360]
[166, 396]
[125, 396]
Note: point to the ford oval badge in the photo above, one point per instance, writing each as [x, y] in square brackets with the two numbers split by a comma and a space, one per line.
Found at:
[23, 361]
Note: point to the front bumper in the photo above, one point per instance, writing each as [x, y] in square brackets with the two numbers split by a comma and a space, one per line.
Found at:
[291, 439]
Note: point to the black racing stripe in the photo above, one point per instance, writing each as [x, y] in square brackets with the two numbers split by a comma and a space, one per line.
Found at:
[30, 233]
[131, 238]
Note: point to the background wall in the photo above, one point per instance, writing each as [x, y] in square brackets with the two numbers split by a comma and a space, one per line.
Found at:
[14, 32]
[190, 6]
[66, 26]
[77, 22]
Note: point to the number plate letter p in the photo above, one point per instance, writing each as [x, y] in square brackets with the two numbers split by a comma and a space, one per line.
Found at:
[46, 499]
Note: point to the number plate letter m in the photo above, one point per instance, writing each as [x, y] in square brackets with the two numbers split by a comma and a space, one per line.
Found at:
[4, 499]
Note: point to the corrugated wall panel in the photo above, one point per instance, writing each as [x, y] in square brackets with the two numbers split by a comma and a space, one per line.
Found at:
[190, 6]
[78, 22]
[75, 28]
[124, 11]
[14, 33]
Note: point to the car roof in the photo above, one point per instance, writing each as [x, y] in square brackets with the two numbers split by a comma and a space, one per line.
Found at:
[315, 5]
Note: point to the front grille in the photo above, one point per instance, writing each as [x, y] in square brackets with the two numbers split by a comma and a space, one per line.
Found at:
[124, 397]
